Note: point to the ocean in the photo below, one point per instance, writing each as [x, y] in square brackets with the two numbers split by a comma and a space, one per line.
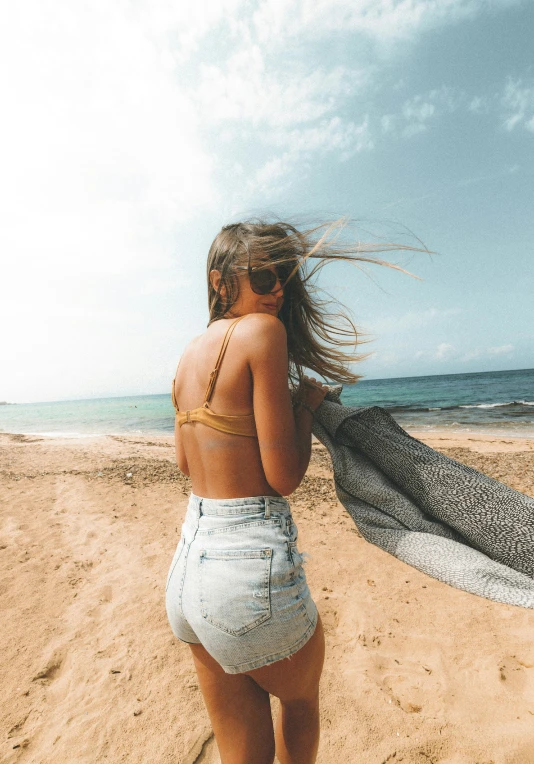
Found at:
[500, 402]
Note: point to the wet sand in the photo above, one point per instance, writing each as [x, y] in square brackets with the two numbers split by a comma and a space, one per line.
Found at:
[416, 671]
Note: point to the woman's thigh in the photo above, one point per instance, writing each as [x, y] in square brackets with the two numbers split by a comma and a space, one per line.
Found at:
[296, 677]
[239, 711]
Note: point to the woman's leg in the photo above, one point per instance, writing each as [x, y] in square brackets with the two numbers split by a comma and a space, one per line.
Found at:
[239, 711]
[295, 681]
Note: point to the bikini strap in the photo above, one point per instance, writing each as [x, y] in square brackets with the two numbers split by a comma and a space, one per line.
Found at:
[215, 372]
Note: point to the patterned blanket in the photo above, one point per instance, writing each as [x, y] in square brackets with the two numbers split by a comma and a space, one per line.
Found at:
[442, 517]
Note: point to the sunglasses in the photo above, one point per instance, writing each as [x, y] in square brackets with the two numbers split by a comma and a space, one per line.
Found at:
[263, 280]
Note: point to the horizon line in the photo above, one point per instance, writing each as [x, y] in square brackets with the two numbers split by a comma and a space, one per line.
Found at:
[363, 380]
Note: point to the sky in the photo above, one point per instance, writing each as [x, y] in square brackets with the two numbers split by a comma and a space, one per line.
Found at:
[133, 130]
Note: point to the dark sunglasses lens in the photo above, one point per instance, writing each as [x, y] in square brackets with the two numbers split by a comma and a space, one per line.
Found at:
[263, 282]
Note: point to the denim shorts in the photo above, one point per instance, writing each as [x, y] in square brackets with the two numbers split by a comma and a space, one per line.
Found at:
[236, 583]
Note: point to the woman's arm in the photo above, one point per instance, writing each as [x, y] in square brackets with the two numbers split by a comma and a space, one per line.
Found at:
[284, 436]
[314, 392]
[181, 459]
[303, 427]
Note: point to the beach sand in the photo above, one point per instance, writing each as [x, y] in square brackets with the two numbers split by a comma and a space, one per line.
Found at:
[415, 672]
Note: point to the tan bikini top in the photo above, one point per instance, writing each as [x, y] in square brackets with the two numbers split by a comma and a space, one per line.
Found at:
[234, 425]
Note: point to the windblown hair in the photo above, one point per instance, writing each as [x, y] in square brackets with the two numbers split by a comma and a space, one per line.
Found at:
[316, 336]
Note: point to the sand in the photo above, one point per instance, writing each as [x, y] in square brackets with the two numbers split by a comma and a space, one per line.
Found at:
[416, 671]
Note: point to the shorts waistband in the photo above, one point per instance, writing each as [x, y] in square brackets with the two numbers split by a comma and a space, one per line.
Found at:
[243, 506]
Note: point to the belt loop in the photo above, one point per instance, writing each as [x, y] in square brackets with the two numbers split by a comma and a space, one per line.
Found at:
[200, 508]
[267, 508]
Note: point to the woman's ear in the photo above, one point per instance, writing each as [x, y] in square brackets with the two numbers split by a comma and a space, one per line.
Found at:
[215, 278]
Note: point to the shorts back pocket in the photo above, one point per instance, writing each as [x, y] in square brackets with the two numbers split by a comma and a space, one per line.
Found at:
[235, 591]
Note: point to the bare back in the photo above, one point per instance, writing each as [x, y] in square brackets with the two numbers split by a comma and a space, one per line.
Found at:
[221, 465]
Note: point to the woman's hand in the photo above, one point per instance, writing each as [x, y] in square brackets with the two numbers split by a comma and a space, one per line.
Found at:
[314, 392]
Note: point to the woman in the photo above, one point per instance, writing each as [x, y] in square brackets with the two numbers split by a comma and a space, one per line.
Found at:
[236, 589]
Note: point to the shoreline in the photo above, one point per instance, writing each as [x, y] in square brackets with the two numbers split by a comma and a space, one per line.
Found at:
[481, 434]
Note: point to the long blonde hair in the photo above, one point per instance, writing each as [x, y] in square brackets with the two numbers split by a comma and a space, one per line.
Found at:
[316, 336]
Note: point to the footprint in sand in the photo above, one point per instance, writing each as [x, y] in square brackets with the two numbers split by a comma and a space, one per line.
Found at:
[521, 755]
[328, 610]
[203, 749]
[516, 674]
[16, 728]
[430, 752]
[411, 685]
[51, 668]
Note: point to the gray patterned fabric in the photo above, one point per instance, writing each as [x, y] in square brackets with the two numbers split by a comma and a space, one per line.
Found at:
[442, 517]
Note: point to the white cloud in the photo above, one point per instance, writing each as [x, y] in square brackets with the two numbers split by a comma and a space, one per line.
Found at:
[501, 350]
[384, 21]
[418, 111]
[343, 138]
[414, 320]
[492, 352]
[388, 122]
[253, 87]
[513, 104]
[444, 351]
[289, 110]
[508, 170]
[100, 153]
[182, 26]
[414, 128]
[387, 359]
[258, 89]
[479, 105]
[334, 134]
[275, 173]
[518, 102]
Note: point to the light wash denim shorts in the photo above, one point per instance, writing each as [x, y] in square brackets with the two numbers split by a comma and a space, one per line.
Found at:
[236, 583]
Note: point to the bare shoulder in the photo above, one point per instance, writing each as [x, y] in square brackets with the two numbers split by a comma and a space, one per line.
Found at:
[264, 340]
[262, 327]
